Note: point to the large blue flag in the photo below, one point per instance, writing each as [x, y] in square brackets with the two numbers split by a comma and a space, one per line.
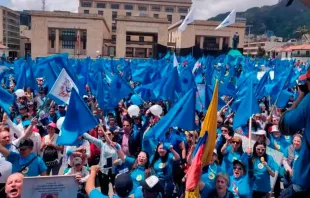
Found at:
[78, 120]
[181, 115]
[247, 108]
[6, 100]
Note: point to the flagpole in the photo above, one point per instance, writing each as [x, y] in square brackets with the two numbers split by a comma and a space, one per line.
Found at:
[250, 131]
[41, 107]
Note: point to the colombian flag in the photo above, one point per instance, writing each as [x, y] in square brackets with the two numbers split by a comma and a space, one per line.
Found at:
[204, 149]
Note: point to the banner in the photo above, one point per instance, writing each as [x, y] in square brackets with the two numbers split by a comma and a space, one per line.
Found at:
[50, 186]
[277, 156]
[201, 97]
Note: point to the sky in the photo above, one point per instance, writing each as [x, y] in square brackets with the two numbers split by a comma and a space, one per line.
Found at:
[218, 6]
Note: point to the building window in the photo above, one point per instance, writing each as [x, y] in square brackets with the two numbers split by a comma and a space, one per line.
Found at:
[84, 40]
[141, 38]
[113, 37]
[86, 4]
[182, 17]
[128, 38]
[307, 53]
[169, 18]
[128, 13]
[114, 15]
[100, 5]
[100, 12]
[115, 6]
[142, 8]
[156, 8]
[86, 11]
[156, 16]
[169, 9]
[68, 39]
[183, 10]
[113, 27]
[128, 7]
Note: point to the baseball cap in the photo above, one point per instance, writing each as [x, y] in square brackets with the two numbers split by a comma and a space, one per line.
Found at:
[26, 123]
[123, 185]
[305, 76]
[77, 161]
[274, 128]
[52, 124]
[235, 162]
[25, 143]
[260, 132]
[151, 184]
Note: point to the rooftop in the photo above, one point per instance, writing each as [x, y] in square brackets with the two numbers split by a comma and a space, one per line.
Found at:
[142, 19]
[65, 14]
[206, 23]
[3, 46]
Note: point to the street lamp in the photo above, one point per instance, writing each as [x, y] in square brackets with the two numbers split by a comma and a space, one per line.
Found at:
[249, 33]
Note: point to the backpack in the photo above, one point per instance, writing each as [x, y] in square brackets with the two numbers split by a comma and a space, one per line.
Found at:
[50, 156]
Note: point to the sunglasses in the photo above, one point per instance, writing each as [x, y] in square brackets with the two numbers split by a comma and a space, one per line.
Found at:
[126, 125]
[109, 134]
[235, 142]
[238, 168]
[260, 149]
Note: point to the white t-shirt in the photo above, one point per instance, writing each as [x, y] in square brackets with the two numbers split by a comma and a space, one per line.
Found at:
[53, 139]
[5, 170]
[87, 148]
[36, 138]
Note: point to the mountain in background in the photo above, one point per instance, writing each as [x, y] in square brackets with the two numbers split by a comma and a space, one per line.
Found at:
[283, 21]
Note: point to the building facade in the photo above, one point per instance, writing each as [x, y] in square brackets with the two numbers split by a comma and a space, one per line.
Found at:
[64, 32]
[204, 35]
[9, 31]
[172, 10]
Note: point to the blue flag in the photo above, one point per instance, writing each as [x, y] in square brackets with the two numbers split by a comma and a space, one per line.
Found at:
[6, 100]
[78, 120]
[247, 108]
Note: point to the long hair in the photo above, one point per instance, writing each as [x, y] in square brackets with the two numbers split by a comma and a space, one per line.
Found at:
[239, 150]
[146, 166]
[157, 156]
[255, 156]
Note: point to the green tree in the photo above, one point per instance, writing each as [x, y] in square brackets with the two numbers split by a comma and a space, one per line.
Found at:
[303, 32]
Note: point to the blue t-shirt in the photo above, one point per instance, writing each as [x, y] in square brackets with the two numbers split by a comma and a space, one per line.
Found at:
[138, 174]
[97, 194]
[164, 170]
[36, 167]
[261, 175]
[208, 179]
[240, 187]
[280, 144]
[228, 159]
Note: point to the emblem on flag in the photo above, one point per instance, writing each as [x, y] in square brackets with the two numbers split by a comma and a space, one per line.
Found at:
[65, 89]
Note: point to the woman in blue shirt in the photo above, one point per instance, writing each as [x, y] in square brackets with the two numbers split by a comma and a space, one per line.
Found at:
[139, 168]
[207, 180]
[290, 156]
[263, 166]
[232, 150]
[239, 182]
[162, 164]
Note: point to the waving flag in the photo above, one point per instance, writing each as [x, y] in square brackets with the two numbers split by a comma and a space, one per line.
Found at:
[204, 149]
[188, 19]
[78, 120]
[230, 19]
[62, 88]
[6, 100]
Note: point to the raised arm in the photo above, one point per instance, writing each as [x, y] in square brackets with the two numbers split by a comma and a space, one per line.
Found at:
[5, 152]
[93, 140]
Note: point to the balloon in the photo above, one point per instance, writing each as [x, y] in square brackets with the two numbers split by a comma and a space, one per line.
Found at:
[156, 110]
[59, 122]
[136, 100]
[133, 110]
[19, 92]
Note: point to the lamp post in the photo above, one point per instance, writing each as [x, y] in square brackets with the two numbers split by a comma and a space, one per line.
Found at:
[249, 33]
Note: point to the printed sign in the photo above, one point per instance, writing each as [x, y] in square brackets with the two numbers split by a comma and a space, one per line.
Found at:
[50, 186]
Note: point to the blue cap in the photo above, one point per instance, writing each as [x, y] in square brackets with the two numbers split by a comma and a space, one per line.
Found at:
[166, 146]
[26, 123]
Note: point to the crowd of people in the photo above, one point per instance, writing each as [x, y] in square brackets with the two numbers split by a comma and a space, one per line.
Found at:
[112, 154]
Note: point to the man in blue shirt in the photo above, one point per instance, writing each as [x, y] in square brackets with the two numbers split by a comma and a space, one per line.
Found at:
[25, 161]
[291, 122]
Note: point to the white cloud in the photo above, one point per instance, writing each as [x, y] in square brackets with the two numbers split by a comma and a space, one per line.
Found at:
[69, 5]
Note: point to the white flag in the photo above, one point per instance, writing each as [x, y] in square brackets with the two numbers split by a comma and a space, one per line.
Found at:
[230, 19]
[188, 19]
[175, 61]
[61, 90]
[196, 66]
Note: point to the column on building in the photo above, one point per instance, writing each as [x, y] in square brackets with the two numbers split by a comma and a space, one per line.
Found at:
[121, 44]
[78, 43]
[221, 43]
[133, 52]
[57, 50]
[201, 42]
